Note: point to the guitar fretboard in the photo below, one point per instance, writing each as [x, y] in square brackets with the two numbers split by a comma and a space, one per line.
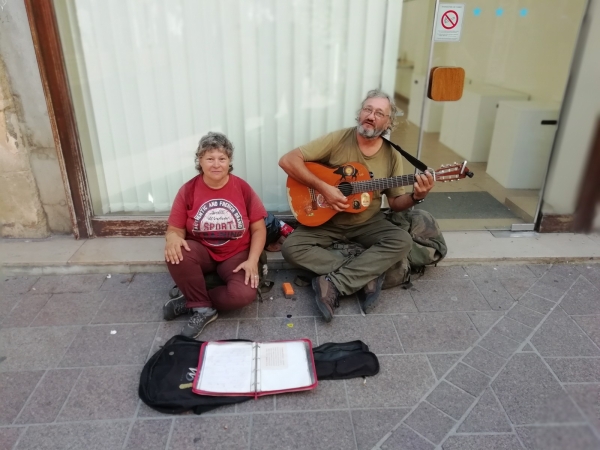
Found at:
[380, 184]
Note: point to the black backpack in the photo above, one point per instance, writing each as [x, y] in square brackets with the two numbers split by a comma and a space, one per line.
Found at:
[166, 379]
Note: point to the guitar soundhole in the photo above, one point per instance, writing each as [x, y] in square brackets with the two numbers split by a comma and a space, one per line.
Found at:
[346, 188]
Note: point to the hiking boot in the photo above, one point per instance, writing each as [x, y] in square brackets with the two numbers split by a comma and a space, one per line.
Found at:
[175, 307]
[368, 295]
[197, 323]
[326, 296]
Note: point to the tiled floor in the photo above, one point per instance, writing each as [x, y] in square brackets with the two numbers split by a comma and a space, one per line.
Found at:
[473, 357]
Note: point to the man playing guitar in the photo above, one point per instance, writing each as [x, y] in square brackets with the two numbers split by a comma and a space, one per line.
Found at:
[385, 243]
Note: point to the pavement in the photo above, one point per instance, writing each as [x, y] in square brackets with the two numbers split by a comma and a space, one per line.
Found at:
[497, 348]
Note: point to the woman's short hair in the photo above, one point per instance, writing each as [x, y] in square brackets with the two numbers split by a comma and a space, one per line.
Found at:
[214, 141]
[377, 93]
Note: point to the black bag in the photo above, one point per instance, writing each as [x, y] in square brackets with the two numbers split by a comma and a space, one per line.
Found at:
[166, 379]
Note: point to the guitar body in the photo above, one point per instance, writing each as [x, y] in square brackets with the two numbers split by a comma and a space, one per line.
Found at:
[310, 208]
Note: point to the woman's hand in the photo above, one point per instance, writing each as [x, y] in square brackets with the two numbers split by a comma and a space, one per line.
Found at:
[251, 269]
[175, 241]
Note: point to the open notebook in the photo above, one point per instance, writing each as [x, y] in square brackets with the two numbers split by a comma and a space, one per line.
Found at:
[255, 368]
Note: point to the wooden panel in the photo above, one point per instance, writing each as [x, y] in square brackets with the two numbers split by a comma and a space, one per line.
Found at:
[556, 223]
[446, 83]
[105, 227]
[46, 42]
[589, 192]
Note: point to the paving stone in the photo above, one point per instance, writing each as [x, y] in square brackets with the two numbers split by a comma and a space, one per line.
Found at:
[405, 438]
[468, 379]
[377, 332]
[401, 381]
[115, 386]
[149, 434]
[435, 332]
[41, 349]
[15, 389]
[49, 396]
[247, 312]
[576, 370]
[429, 422]
[329, 394]
[68, 283]
[277, 329]
[517, 287]
[16, 285]
[486, 417]
[215, 331]
[513, 329]
[558, 438]
[25, 310]
[370, 425]
[494, 293]
[450, 295]
[451, 400]
[160, 282]
[69, 309]
[131, 306]
[441, 362]
[530, 394]
[527, 348]
[551, 287]
[444, 273]
[116, 282]
[99, 346]
[539, 269]
[591, 326]
[490, 442]
[593, 275]
[499, 271]
[525, 315]
[10, 436]
[88, 436]
[583, 299]
[537, 303]
[499, 344]
[587, 397]
[393, 301]
[560, 336]
[261, 404]
[569, 271]
[484, 361]
[215, 432]
[301, 431]
[484, 320]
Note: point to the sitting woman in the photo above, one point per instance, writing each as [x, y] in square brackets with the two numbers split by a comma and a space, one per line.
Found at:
[216, 225]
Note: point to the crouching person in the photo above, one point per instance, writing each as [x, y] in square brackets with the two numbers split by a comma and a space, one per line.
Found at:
[216, 225]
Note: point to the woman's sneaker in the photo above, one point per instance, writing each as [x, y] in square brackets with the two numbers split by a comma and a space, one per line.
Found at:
[175, 307]
[197, 323]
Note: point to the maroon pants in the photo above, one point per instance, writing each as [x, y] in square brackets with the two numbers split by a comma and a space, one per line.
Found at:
[189, 277]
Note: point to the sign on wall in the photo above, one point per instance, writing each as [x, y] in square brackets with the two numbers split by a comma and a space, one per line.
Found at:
[449, 20]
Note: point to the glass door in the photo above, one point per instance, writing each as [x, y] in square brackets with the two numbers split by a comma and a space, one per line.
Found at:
[517, 56]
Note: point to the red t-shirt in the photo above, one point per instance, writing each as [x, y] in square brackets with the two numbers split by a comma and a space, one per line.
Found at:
[217, 218]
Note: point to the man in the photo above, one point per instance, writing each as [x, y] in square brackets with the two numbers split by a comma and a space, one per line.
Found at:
[385, 243]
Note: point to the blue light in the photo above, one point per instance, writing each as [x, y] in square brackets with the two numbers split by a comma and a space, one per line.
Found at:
[476, 11]
[499, 12]
[523, 12]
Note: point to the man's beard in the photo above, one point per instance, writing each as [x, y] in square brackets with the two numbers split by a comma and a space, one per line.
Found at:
[369, 134]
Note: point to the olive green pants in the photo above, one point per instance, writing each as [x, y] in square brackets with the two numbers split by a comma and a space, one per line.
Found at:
[385, 243]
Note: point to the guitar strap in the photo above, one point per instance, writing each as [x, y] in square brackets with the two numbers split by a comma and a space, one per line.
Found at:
[411, 159]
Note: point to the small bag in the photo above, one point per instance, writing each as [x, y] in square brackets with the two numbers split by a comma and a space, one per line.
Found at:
[339, 361]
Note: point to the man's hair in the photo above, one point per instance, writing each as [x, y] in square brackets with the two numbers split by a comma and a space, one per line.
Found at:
[377, 93]
[214, 141]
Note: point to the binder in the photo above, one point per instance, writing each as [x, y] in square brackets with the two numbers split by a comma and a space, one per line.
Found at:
[255, 368]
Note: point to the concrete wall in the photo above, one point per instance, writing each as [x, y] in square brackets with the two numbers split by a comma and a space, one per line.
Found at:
[32, 194]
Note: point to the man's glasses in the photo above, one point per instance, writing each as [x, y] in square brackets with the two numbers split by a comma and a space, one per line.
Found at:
[378, 114]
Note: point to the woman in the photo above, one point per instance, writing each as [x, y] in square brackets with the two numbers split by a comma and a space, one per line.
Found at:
[216, 225]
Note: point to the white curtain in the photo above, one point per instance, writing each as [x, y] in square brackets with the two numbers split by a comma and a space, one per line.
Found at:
[156, 75]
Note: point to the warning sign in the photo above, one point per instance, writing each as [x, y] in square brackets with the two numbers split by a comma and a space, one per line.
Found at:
[449, 22]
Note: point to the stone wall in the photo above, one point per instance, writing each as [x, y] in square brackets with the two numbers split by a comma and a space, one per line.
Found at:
[32, 193]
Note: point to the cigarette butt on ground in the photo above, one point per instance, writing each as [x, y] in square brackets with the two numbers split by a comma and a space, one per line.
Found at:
[288, 290]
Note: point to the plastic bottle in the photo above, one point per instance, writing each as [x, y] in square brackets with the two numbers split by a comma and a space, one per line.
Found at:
[285, 229]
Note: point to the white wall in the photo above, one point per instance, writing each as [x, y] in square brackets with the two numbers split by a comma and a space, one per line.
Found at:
[582, 110]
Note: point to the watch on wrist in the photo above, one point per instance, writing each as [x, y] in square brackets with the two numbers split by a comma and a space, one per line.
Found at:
[416, 202]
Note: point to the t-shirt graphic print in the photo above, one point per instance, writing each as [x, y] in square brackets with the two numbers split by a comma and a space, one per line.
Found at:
[217, 222]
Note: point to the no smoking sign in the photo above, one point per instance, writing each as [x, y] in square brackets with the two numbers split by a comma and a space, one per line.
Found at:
[449, 22]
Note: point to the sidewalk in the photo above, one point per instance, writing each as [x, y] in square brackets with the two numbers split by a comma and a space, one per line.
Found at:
[496, 349]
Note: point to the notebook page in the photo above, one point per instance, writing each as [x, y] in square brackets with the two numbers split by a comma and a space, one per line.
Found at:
[284, 365]
[227, 368]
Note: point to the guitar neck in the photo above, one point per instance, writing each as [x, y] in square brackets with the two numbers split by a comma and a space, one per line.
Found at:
[380, 184]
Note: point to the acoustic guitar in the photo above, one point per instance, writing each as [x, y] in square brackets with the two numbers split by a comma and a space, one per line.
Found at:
[354, 181]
